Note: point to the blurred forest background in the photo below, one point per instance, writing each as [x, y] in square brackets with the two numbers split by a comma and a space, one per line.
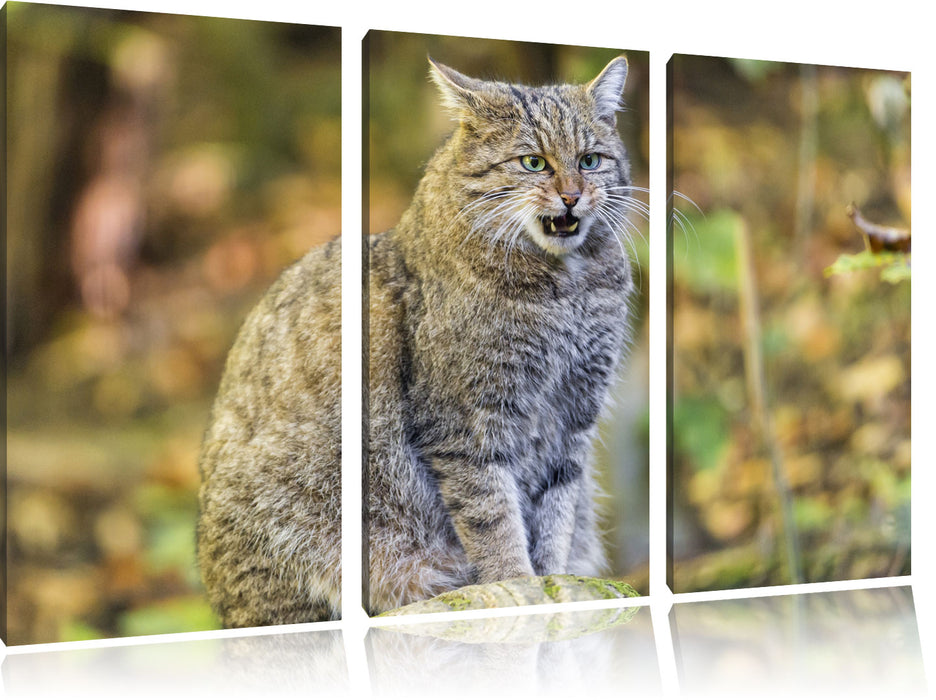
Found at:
[162, 171]
[791, 386]
[405, 124]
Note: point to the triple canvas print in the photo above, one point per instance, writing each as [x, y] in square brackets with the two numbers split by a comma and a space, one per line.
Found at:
[173, 309]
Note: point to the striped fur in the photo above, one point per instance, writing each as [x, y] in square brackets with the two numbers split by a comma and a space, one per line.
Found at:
[492, 340]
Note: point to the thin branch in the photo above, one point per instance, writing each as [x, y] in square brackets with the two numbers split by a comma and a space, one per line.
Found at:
[757, 392]
[877, 237]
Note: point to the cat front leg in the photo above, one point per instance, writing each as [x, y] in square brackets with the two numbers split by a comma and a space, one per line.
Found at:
[587, 556]
[551, 518]
[483, 501]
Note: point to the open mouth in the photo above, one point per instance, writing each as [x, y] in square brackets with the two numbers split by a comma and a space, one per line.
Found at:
[560, 226]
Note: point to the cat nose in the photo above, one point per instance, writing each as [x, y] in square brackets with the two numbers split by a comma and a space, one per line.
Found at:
[570, 199]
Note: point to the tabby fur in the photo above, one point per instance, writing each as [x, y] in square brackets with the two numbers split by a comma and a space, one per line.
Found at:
[497, 315]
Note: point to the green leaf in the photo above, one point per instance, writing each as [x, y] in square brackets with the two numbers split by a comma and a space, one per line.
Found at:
[896, 266]
[896, 272]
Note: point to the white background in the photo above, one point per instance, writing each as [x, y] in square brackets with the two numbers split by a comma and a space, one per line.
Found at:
[895, 35]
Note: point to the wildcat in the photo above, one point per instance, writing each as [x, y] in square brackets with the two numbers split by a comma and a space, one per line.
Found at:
[497, 313]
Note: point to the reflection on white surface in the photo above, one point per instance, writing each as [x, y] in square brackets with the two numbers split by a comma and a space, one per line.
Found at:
[845, 643]
[572, 654]
[593, 651]
[300, 664]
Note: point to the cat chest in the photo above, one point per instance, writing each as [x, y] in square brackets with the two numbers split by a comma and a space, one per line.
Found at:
[505, 369]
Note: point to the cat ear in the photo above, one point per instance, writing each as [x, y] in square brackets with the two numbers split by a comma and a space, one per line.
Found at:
[461, 94]
[606, 89]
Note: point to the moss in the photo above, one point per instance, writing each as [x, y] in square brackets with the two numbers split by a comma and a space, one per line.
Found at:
[558, 588]
[455, 601]
[551, 587]
[624, 589]
[607, 588]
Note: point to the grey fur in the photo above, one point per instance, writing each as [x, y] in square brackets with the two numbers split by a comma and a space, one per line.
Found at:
[491, 345]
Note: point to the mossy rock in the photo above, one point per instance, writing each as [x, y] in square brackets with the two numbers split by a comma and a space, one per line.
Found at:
[522, 628]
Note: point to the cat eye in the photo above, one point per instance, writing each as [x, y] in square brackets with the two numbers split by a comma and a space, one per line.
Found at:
[533, 163]
[589, 161]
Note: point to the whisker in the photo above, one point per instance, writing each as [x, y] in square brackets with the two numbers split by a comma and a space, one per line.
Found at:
[621, 224]
[480, 200]
[497, 209]
[505, 231]
[677, 193]
[684, 223]
[628, 187]
[616, 223]
[624, 222]
[631, 203]
[635, 206]
[505, 200]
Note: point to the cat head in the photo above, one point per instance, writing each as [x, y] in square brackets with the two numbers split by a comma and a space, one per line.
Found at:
[541, 165]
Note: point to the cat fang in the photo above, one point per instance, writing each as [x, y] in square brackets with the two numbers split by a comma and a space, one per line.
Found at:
[558, 235]
[562, 226]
